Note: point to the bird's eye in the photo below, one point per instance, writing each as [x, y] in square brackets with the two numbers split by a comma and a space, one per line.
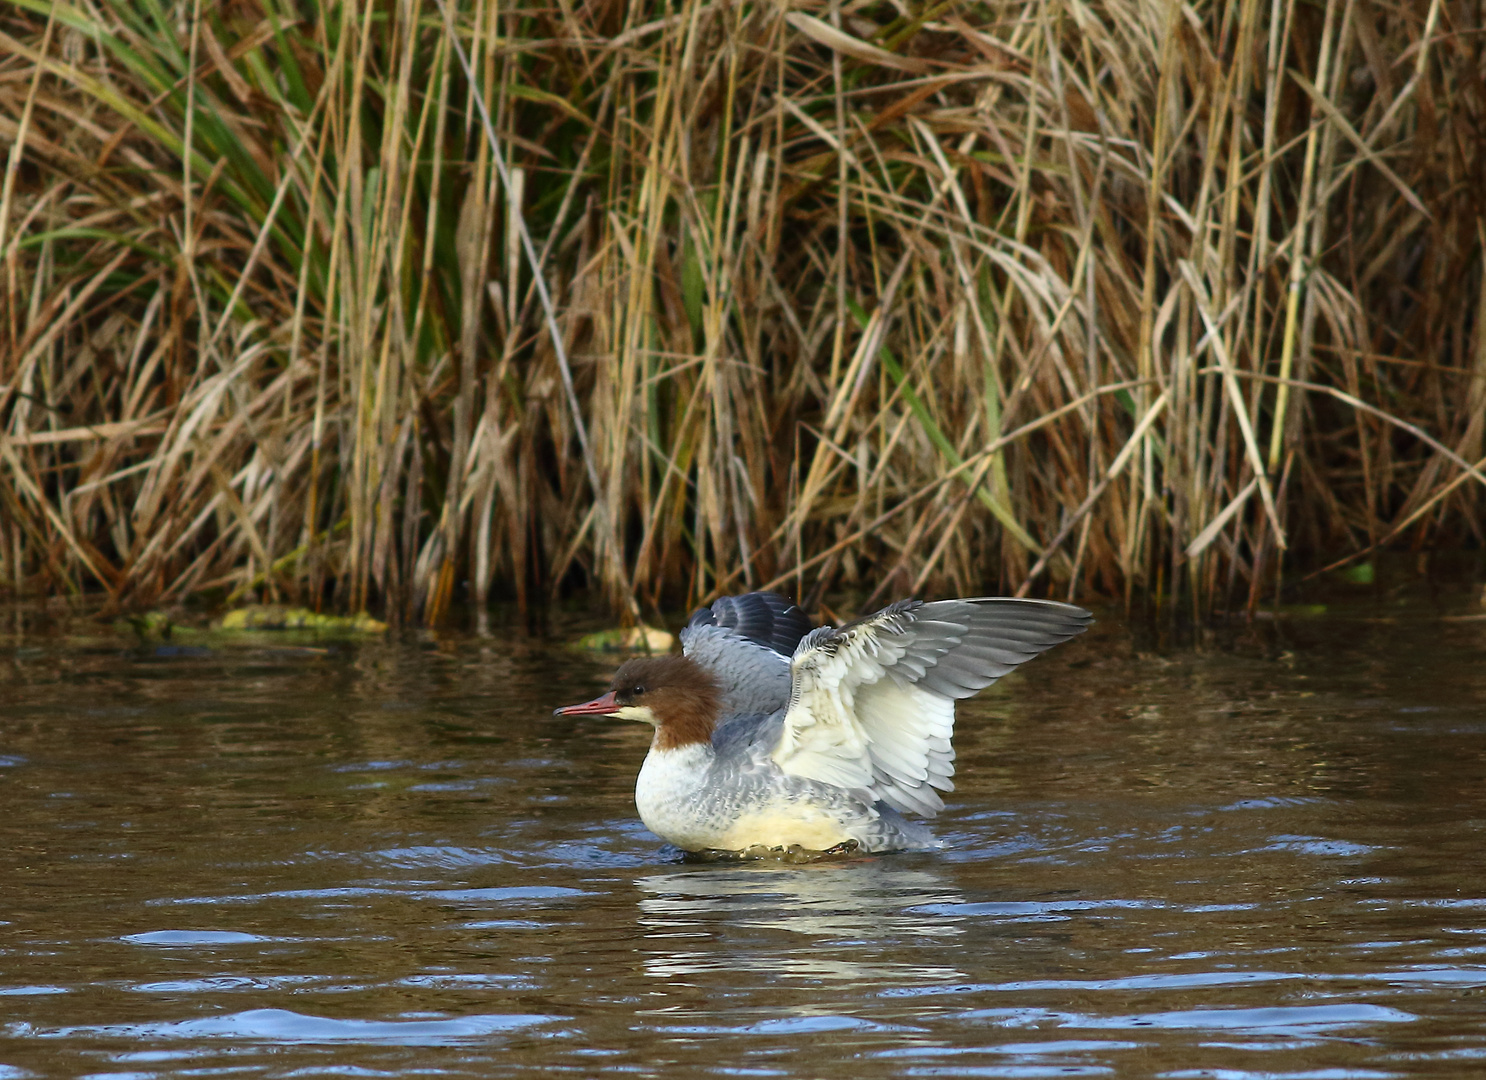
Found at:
[637, 691]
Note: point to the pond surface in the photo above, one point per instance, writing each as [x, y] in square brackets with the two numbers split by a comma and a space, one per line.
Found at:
[382, 859]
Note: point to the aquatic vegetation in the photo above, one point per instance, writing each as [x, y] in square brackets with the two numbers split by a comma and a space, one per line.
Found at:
[376, 306]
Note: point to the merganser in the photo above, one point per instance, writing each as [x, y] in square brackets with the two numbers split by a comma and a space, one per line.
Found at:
[774, 736]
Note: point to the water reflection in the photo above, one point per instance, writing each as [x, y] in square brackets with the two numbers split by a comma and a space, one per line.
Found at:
[725, 915]
[822, 899]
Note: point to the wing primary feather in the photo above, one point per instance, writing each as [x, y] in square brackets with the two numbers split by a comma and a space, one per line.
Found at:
[875, 698]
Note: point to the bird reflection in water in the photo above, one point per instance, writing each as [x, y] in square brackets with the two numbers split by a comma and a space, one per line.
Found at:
[854, 921]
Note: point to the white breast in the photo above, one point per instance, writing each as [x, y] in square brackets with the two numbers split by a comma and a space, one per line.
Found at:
[666, 794]
[683, 801]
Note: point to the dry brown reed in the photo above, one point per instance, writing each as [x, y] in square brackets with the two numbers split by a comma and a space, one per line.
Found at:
[356, 303]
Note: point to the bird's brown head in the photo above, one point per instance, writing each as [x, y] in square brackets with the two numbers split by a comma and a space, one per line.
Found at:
[673, 693]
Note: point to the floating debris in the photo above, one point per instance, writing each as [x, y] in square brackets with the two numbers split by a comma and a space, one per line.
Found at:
[641, 639]
[149, 625]
[1292, 611]
[277, 617]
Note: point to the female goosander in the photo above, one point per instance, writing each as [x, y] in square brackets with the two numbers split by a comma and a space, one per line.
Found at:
[773, 735]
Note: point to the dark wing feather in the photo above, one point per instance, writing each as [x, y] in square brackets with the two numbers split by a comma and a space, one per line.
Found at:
[746, 642]
[763, 618]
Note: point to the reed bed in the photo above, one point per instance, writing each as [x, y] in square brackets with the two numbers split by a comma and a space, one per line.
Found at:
[395, 304]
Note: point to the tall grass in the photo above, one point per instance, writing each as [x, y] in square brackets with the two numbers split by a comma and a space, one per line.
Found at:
[356, 304]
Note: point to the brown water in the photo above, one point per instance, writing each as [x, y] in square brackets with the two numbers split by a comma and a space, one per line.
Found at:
[1262, 861]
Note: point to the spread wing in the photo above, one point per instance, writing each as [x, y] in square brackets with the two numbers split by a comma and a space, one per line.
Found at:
[872, 704]
[746, 642]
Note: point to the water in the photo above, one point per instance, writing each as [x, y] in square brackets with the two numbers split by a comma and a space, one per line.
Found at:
[1260, 861]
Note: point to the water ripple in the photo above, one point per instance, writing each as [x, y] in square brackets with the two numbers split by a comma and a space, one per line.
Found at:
[284, 1026]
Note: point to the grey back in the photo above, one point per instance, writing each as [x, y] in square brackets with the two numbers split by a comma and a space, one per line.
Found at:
[746, 643]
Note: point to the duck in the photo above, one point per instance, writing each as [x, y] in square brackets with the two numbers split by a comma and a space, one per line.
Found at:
[773, 735]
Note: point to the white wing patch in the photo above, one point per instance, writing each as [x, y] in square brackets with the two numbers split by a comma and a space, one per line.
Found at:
[908, 730]
[856, 723]
[872, 705]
